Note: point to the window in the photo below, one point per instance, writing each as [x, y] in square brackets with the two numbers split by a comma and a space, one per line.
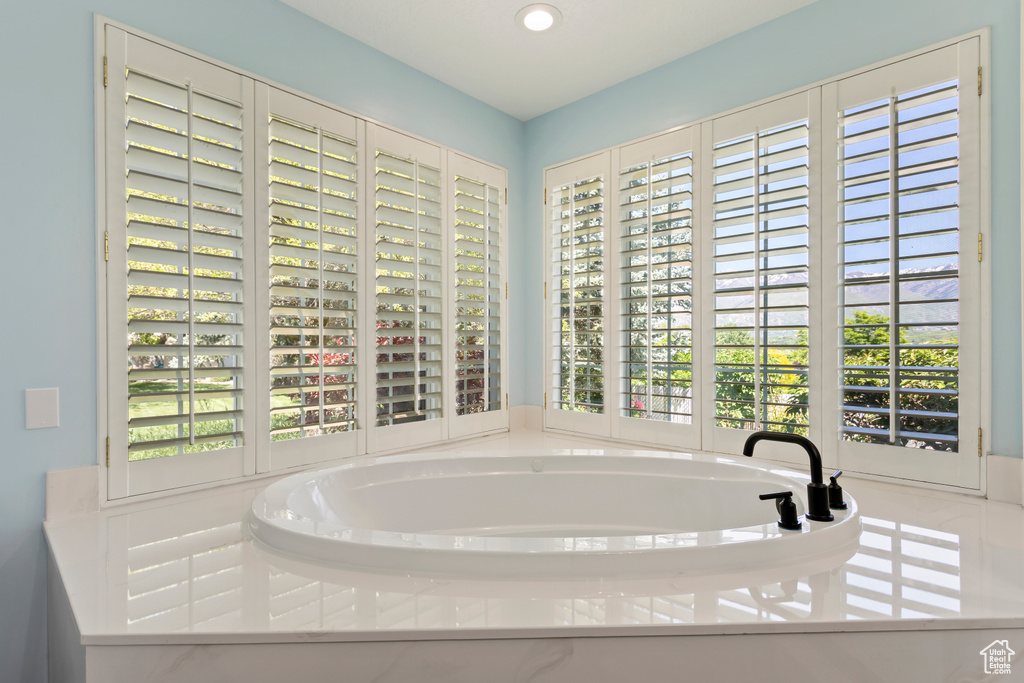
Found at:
[656, 259]
[576, 214]
[804, 265]
[759, 234]
[480, 288]
[312, 182]
[408, 284]
[243, 262]
[179, 230]
[908, 219]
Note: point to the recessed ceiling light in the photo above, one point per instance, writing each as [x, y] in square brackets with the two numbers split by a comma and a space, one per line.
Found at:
[538, 17]
[538, 20]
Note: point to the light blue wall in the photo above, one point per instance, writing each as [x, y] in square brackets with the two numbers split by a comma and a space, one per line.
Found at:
[48, 231]
[824, 39]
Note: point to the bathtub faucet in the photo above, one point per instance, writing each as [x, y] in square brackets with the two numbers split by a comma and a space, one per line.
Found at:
[817, 491]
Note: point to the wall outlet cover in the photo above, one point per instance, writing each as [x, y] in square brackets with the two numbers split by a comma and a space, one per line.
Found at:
[42, 408]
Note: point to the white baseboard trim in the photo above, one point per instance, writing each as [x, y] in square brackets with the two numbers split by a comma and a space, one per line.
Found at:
[72, 492]
[1005, 479]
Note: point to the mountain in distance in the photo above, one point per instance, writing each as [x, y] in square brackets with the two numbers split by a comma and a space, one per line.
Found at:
[917, 289]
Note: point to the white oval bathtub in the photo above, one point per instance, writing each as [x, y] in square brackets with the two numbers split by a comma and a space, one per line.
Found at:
[544, 514]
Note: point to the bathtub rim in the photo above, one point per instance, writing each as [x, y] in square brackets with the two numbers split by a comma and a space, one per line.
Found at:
[443, 556]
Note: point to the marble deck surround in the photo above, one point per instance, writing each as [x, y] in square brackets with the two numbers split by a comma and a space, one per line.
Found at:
[174, 589]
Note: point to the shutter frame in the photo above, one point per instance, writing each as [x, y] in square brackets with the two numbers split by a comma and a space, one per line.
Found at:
[405, 163]
[583, 177]
[677, 430]
[313, 179]
[768, 119]
[141, 66]
[472, 175]
[953, 62]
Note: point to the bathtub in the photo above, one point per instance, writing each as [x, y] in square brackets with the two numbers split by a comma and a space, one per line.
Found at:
[546, 514]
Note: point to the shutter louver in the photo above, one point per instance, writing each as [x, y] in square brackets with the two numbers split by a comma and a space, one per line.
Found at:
[760, 214]
[184, 268]
[477, 297]
[656, 300]
[576, 217]
[313, 275]
[900, 248]
[408, 290]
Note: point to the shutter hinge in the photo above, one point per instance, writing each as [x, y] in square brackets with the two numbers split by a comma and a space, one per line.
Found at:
[106, 245]
[506, 290]
[545, 196]
[979, 442]
[979, 81]
[108, 451]
[506, 196]
[506, 401]
[104, 71]
[979, 247]
[545, 400]
[545, 291]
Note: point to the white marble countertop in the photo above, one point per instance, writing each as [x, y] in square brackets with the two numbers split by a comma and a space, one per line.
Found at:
[183, 569]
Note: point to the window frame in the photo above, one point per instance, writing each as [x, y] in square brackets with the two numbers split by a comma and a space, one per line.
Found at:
[679, 141]
[393, 437]
[487, 421]
[561, 175]
[184, 469]
[805, 104]
[276, 455]
[973, 276]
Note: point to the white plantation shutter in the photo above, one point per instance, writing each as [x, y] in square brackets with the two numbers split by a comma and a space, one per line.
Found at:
[907, 153]
[656, 291]
[576, 231]
[252, 296]
[409, 287]
[477, 242]
[313, 185]
[179, 230]
[761, 290]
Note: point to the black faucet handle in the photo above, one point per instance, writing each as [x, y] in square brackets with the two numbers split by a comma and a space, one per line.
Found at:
[786, 508]
[835, 493]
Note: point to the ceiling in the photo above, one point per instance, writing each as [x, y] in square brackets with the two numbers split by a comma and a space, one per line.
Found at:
[476, 47]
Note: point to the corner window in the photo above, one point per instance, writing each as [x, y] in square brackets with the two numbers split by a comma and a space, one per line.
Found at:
[805, 265]
[250, 232]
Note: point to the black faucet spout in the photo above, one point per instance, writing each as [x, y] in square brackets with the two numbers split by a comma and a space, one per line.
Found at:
[817, 491]
[812, 451]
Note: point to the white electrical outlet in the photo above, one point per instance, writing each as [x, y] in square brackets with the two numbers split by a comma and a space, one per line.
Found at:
[42, 408]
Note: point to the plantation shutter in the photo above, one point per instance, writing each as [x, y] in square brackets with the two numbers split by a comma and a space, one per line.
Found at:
[313, 186]
[907, 235]
[760, 234]
[179, 231]
[576, 231]
[409, 283]
[656, 291]
[477, 241]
